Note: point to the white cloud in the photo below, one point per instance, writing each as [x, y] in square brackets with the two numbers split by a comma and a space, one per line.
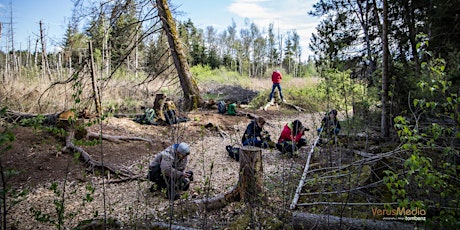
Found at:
[286, 16]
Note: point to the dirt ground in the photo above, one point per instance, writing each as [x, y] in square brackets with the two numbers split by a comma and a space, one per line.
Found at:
[38, 161]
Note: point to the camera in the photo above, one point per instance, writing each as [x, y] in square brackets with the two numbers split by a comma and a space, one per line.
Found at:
[191, 175]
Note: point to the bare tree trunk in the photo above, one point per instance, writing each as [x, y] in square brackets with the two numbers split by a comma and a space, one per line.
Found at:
[28, 53]
[14, 66]
[192, 94]
[385, 113]
[35, 54]
[93, 81]
[3, 78]
[409, 15]
[45, 64]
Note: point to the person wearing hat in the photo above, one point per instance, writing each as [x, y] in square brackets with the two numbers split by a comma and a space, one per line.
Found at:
[167, 170]
[291, 138]
[329, 124]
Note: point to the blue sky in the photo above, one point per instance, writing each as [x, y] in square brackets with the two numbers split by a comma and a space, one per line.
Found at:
[285, 15]
[26, 17]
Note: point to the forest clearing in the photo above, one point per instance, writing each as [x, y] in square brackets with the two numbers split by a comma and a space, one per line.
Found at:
[363, 134]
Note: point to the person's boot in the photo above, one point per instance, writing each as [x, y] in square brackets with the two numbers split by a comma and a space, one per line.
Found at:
[272, 101]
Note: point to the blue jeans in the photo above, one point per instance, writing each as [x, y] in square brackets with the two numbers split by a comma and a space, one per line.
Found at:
[277, 85]
[255, 142]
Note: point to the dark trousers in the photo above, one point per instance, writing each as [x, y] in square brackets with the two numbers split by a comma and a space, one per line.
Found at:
[164, 182]
[255, 142]
[291, 147]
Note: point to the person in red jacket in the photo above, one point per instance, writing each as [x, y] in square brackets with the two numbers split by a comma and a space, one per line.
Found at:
[291, 138]
[276, 79]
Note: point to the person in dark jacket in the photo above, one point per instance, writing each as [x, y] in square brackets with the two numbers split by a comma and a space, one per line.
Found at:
[276, 80]
[167, 170]
[255, 135]
[330, 126]
[291, 138]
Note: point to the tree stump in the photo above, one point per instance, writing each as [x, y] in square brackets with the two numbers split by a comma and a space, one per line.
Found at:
[158, 106]
[248, 189]
[250, 183]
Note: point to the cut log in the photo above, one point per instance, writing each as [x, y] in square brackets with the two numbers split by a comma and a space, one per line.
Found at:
[249, 187]
[298, 108]
[158, 106]
[251, 179]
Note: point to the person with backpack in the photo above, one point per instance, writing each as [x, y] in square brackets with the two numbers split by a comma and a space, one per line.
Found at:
[330, 126]
[167, 170]
[255, 135]
[276, 80]
[291, 138]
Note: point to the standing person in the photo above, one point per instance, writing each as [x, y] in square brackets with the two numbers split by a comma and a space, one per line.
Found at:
[253, 134]
[291, 138]
[276, 79]
[167, 170]
[329, 124]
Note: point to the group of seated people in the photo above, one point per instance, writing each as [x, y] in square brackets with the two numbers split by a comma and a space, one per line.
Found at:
[292, 137]
[167, 170]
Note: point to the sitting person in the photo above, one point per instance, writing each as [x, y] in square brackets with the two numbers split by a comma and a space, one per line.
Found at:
[330, 126]
[168, 166]
[291, 138]
[253, 135]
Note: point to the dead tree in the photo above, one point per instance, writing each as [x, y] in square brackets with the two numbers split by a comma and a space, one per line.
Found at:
[96, 95]
[45, 64]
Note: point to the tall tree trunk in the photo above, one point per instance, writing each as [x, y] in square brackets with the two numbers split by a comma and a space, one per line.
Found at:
[385, 112]
[192, 94]
[410, 21]
[45, 65]
[96, 95]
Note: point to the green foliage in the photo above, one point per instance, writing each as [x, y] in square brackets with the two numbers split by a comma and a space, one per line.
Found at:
[35, 122]
[338, 90]
[204, 73]
[427, 177]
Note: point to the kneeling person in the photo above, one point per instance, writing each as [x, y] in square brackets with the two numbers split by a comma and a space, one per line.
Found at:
[167, 170]
[291, 138]
[255, 135]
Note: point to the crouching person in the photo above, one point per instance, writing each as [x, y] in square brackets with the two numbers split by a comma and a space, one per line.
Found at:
[167, 171]
[292, 138]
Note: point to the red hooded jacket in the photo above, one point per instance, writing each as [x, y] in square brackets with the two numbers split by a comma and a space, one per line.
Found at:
[276, 77]
[286, 134]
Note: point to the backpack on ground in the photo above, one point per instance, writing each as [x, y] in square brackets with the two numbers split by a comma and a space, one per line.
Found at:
[231, 109]
[233, 152]
[221, 107]
[148, 117]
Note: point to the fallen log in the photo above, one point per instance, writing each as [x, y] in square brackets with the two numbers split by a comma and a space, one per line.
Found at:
[93, 164]
[16, 117]
[93, 135]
